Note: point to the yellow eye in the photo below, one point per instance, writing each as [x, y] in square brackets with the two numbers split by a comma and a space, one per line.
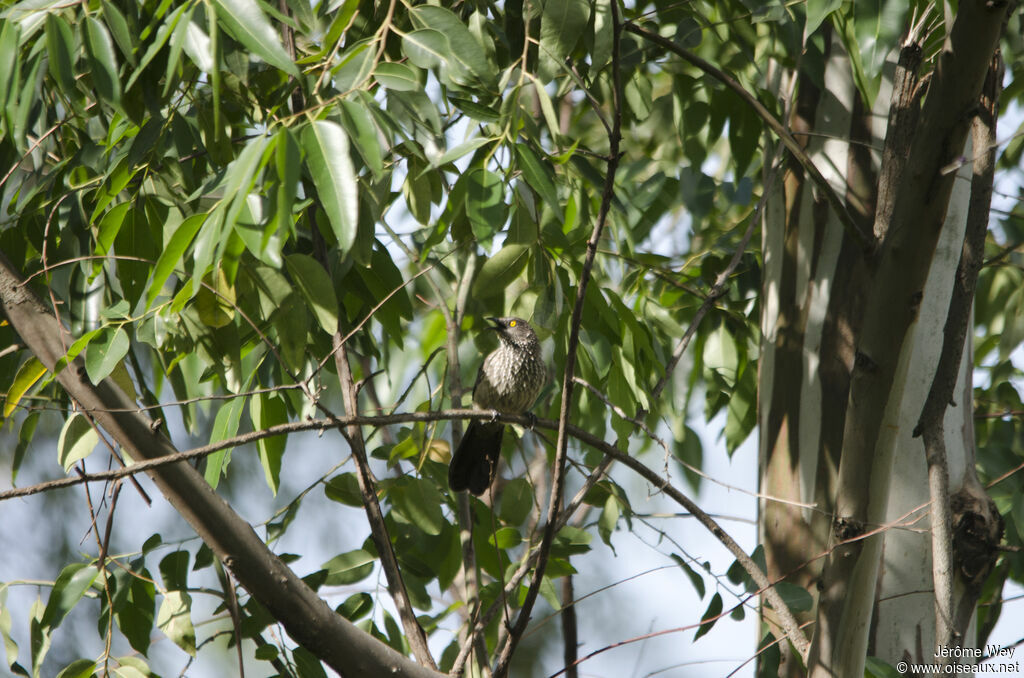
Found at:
[511, 323]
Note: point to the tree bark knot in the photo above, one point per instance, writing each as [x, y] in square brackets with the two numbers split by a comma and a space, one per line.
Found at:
[977, 533]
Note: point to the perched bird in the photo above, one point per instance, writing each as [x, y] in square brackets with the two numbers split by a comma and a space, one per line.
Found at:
[509, 380]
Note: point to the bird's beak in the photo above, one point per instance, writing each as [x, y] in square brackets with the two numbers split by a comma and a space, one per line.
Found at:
[496, 323]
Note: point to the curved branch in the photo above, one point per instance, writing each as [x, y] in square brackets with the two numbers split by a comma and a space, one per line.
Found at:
[306, 617]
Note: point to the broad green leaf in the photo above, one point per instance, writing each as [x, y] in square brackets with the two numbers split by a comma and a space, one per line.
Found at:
[172, 253]
[505, 538]
[426, 47]
[25, 436]
[72, 583]
[563, 23]
[103, 60]
[796, 597]
[357, 122]
[397, 77]
[225, 425]
[8, 59]
[456, 152]
[330, 165]
[516, 501]
[710, 616]
[266, 410]
[163, 34]
[695, 579]
[105, 352]
[356, 606]
[80, 668]
[135, 615]
[721, 355]
[348, 568]
[251, 27]
[465, 50]
[77, 440]
[485, 202]
[539, 176]
[28, 374]
[119, 30]
[817, 12]
[215, 301]
[474, 110]
[419, 502]
[288, 166]
[500, 270]
[59, 48]
[316, 288]
[608, 519]
[344, 489]
[175, 620]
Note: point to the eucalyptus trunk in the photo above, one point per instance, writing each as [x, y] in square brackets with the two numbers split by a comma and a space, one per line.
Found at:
[856, 324]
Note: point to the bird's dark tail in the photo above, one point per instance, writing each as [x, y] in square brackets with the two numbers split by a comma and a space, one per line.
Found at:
[475, 462]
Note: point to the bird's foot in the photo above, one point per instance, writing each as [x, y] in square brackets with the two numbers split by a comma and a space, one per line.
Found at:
[533, 420]
[494, 416]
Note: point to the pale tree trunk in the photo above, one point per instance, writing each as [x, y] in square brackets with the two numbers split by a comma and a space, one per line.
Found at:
[852, 336]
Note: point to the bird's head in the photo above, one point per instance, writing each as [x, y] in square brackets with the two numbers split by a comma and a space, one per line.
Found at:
[514, 331]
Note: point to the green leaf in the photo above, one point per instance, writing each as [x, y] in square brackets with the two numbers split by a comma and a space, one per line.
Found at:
[316, 288]
[817, 12]
[608, 519]
[135, 614]
[102, 60]
[250, 27]
[330, 165]
[80, 668]
[505, 538]
[539, 176]
[563, 22]
[59, 48]
[72, 583]
[356, 606]
[466, 55]
[355, 117]
[710, 616]
[174, 619]
[9, 32]
[485, 206]
[77, 440]
[397, 76]
[26, 434]
[28, 374]
[105, 352]
[694, 577]
[426, 48]
[796, 598]
[225, 426]
[348, 568]
[344, 489]
[516, 501]
[721, 355]
[419, 502]
[266, 410]
[172, 254]
[500, 270]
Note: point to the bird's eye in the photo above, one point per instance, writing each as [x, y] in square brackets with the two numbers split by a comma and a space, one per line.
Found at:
[511, 323]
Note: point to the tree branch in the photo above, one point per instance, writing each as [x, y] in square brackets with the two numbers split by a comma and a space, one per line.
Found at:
[930, 426]
[307, 618]
[558, 479]
[379, 531]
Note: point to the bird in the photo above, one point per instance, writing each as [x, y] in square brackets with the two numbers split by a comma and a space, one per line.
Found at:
[509, 380]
